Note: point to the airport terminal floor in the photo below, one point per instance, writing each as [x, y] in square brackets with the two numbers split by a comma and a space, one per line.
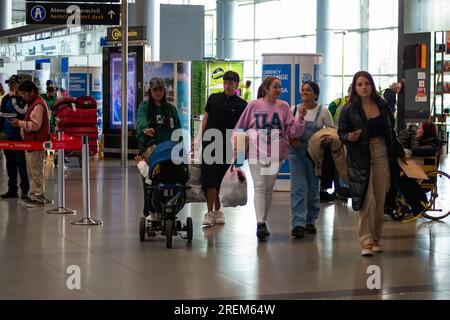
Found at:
[222, 262]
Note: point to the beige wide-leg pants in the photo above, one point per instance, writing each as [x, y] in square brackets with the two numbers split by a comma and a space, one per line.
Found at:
[371, 215]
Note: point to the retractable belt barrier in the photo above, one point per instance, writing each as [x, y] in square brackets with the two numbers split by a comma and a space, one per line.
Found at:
[66, 142]
[62, 142]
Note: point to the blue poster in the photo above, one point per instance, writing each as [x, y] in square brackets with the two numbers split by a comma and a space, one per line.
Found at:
[183, 100]
[317, 73]
[78, 84]
[282, 72]
[298, 98]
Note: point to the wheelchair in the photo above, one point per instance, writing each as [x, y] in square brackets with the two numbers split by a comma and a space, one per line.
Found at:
[436, 188]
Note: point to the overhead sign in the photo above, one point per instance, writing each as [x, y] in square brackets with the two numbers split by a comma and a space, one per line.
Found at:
[77, 1]
[64, 13]
[134, 34]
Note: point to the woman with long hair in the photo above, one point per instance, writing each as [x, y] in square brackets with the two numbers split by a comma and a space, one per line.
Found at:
[366, 127]
[269, 123]
[305, 187]
[156, 121]
[422, 142]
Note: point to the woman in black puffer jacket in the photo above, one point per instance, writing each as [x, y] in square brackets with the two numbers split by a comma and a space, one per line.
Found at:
[366, 128]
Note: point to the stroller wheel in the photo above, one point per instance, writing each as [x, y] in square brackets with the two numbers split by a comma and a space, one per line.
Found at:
[169, 233]
[189, 229]
[142, 229]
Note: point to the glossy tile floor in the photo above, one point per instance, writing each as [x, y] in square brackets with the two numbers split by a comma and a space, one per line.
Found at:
[223, 262]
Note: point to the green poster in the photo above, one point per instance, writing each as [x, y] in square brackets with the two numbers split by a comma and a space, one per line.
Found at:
[217, 70]
[207, 79]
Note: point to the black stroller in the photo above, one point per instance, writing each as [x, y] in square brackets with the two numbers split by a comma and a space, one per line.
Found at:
[166, 196]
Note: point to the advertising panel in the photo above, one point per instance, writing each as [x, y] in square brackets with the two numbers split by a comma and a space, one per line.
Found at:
[184, 100]
[95, 82]
[116, 90]
[78, 84]
[216, 70]
[282, 72]
[305, 67]
[163, 70]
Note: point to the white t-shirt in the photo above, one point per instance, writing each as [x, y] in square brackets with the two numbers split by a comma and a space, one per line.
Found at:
[325, 119]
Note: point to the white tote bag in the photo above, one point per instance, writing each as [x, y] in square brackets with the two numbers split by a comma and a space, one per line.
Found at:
[233, 189]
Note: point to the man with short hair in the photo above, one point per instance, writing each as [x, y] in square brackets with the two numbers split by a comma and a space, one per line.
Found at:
[390, 94]
[222, 112]
[35, 127]
[50, 98]
[336, 106]
[248, 91]
[12, 105]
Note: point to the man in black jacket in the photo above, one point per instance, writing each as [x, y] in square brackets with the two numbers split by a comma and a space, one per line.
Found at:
[13, 106]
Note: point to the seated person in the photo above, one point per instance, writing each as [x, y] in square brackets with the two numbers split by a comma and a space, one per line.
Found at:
[423, 142]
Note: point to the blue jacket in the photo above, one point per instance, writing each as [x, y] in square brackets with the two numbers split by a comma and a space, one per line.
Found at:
[17, 106]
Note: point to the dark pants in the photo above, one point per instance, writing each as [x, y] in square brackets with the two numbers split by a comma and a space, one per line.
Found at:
[15, 161]
[147, 204]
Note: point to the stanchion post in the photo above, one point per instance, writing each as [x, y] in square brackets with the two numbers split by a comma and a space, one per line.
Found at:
[61, 202]
[87, 220]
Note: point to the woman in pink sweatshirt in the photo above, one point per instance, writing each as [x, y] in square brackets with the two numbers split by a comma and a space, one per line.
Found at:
[269, 124]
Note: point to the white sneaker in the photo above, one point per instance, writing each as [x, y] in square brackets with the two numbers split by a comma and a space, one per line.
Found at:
[377, 247]
[208, 219]
[219, 217]
[366, 250]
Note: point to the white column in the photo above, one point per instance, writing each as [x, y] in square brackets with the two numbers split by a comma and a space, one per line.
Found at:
[5, 14]
[225, 29]
[148, 14]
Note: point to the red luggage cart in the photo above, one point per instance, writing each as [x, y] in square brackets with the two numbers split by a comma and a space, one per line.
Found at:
[78, 117]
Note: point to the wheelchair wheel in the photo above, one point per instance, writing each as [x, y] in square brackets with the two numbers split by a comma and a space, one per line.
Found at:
[189, 229]
[142, 229]
[169, 233]
[397, 214]
[437, 189]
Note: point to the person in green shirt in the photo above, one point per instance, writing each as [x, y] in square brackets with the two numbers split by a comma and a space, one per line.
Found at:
[50, 98]
[248, 91]
[336, 106]
[156, 121]
[156, 118]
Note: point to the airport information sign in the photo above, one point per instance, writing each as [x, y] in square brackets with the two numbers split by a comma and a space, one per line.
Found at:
[71, 13]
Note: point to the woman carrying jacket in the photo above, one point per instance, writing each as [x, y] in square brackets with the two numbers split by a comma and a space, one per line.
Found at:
[366, 128]
[305, 196]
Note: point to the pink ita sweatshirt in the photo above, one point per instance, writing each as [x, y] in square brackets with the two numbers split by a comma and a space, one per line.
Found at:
[260, 115]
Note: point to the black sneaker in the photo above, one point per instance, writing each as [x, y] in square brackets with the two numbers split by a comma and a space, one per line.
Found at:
[9, 195]
[26, 200]
[311, 229]
[298, 232]
[325, 197]
[261, 231]
[35, 204]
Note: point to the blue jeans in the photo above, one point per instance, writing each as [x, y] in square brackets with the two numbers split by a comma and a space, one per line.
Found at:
[305, 196]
